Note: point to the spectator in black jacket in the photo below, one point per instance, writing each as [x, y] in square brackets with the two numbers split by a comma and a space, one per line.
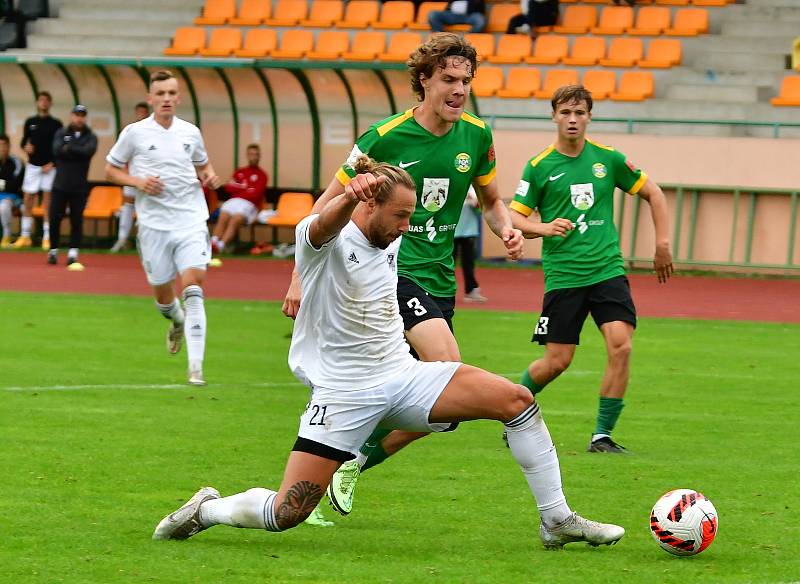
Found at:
[534, 13]
[37, 142]
[11, 172]
[471, 12]
[73, 148]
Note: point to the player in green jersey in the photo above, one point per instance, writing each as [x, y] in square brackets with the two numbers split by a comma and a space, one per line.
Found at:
[571, 184]
[444, 149]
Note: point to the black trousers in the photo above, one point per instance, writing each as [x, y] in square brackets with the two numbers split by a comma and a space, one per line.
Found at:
[58, 208]
[466, 248]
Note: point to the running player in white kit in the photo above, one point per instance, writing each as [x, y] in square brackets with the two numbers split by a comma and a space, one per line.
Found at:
[348, 346]
[166, 160]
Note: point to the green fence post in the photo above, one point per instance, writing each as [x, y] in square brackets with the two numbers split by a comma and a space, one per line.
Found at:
[751, 213]
[314, 111]
[792, 230]
[678, 220]
[72, 86]
[234, 112]
[114, 100]
[351, 97]
[732, 248]
[31, 79]
[195, 105]
[273, 108]
[637, 204]
[692, 224]
[388, 89]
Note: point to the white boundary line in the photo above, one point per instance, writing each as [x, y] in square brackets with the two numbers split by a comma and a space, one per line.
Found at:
[134, 386]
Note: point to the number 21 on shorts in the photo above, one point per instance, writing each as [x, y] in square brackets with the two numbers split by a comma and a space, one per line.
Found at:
[541, 326]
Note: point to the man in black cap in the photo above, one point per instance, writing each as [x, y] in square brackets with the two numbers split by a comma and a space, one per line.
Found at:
[73, 148]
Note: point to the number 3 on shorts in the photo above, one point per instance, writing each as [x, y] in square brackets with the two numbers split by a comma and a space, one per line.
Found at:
[415, 305]
[541, 326]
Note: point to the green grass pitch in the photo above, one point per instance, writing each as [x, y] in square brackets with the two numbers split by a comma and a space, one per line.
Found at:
[101, 438]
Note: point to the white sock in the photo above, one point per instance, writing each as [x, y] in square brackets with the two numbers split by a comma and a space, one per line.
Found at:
[195, 327]
[125, 221]
[73, 253]
[253, 509]
[173, 311]
[27, 226]
[46, 230]
[534, 451]
[361, 459]
[5, 217]
[220, 245]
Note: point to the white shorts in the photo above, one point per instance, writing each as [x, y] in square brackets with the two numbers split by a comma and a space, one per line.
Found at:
[35, 180]
[165, 254]
[237, 206]
[344, 419]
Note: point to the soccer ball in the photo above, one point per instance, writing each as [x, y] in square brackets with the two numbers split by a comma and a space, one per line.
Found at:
[684, 522]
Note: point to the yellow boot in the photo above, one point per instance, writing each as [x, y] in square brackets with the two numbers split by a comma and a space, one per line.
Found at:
[5, 243]
[22, 241]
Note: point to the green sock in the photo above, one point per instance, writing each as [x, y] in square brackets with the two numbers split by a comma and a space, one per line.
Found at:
[373, 448]
[528, 382]
[607, 414]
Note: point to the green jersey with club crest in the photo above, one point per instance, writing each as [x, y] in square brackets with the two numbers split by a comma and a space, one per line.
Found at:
[443, 167]
[580, 189]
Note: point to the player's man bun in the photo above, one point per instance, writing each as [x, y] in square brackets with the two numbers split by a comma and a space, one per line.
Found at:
[394, 176]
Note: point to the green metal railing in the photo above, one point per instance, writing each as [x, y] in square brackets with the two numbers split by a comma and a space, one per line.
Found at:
[686, 255]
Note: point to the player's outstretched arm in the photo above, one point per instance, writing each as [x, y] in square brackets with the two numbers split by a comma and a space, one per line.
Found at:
[337, 212]
[497, 217]
[662, 260]
[531, 229]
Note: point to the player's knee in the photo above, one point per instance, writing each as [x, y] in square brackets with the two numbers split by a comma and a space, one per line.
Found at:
[620, 351]
[559, 363]
[518, 398]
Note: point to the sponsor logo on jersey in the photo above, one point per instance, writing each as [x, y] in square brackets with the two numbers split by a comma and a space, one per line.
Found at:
[599, 170]
[582, 196]
[354, 154]
[491, 154]
[152, 147]
[187, 147]
[522, 188]
[434, 193]
[553, 177]
[405, 165]
[352, 258]
[431, 229]
[390, 259]
[631, 165]
[463, 162]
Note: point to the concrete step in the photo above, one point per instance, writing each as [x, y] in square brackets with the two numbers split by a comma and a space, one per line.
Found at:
[735, 61]
[143, 5]
[760, 13]
[727, 78]
[110, 45]
[759, 28]
[134, 28]
[771, 44]
[770, 3]
[713, 92]
[180, 17]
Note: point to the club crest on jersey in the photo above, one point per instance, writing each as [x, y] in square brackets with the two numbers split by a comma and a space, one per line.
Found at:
[463, 162]
[186, 147]
[582, 196]
[354, 154]
[434, 193]
[599, 170]
[390, 259]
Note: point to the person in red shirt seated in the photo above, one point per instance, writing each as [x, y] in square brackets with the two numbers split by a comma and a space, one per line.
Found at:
[247, 189]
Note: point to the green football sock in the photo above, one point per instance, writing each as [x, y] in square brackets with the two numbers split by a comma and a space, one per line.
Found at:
[373, 448]
[607, 414]
[528, 382]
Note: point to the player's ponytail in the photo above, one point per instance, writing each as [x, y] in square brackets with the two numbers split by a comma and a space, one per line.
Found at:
[393, 175]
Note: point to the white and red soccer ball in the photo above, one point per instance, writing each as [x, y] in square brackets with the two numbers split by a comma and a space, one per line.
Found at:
[684, 522]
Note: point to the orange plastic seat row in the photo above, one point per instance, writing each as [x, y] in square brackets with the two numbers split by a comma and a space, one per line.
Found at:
[291, 209]
[526, 82]
[658, 2]
[650, 20]
[790, 92]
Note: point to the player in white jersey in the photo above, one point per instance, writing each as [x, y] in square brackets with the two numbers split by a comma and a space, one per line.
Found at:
[165, 157]
[348, 346]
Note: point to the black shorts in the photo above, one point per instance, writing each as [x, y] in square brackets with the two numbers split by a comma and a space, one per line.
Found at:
[417, 306]
[564, 311]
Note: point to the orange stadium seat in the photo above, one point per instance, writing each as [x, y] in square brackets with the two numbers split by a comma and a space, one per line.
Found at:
[600, 82]
[294, 44]
[487, 81]
[662, 54]
[252, 13]
[596, 1]
[521, 83]
[512, 48]
[366, 46]
[651, 21]
[359, 14]
[689, 22]
[634, 86]
[395, 15]
[577, 20]
[790, 92]
[288, 13]
[673, 2]
[710, 2]
[324, 13]
[216, 12]
[614, 20]
[549, 50]
[483, 43]
[586, 51]
[421, 22]
[554, 79]
[259, 42]
[223, 42]
[38, 211]
[330, 45]
[187, 41]
[624, 52]
[499, 15]
[401, 45]
[103, 202]
[292, 208]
